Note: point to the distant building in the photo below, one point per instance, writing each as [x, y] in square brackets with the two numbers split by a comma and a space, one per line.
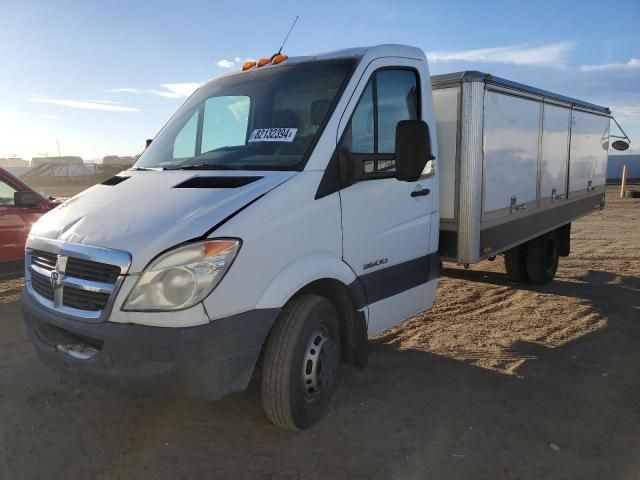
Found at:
[116, 160]
[13, 162]
[64, 160]
[15, 166]
[616, 162]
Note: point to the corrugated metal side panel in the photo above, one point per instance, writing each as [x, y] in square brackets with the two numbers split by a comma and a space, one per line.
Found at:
[470, 175]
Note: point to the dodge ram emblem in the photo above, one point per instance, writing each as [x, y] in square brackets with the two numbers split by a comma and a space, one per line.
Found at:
[56, 279]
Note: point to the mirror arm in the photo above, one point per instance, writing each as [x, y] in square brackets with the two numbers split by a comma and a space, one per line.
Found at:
[623, 132]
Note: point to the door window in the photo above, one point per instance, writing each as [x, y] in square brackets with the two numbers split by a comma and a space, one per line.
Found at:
[397, 99]
[6, 194]
[390, 96]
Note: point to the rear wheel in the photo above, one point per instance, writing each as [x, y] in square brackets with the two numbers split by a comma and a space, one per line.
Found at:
[515, 263]
[301, 362]
[542, 259]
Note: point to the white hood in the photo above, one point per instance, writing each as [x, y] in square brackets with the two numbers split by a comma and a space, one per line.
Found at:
[145, 215]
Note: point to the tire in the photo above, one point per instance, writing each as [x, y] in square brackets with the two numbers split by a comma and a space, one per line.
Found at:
[298, 378]
[515, 263]
[542, 259]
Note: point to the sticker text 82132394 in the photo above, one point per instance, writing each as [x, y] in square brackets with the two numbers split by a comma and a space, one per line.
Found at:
[273, 135]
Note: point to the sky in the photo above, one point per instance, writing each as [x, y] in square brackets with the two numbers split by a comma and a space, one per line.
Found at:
[100, 77]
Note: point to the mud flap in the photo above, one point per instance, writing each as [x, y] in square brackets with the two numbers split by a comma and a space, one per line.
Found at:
[357, 353]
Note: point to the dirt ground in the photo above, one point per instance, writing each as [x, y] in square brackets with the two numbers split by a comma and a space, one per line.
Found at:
[496, 381]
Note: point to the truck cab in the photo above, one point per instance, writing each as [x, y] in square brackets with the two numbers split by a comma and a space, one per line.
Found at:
[284, 215]
[20, 208]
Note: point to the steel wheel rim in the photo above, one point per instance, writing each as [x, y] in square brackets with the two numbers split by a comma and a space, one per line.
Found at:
[319, 364]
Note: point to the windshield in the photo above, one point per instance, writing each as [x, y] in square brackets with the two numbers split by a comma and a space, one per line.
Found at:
[257, 120]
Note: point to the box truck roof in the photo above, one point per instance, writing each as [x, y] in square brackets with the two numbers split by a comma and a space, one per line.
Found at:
[447, 79]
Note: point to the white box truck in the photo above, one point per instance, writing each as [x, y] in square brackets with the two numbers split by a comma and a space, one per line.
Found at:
[290, 211]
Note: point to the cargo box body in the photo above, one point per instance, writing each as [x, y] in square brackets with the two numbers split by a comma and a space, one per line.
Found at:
[515, 162]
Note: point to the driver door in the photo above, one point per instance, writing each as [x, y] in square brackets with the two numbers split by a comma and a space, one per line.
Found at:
[386, 222]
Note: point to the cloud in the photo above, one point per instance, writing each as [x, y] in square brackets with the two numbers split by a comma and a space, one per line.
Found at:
[102, 105]
[224, 63]
[549, 54]
[632, 64]
[125, 90]
[177, 90]
[169, 90]
[626, 110]
[240, 109]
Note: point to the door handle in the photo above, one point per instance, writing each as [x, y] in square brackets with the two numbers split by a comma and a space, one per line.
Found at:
[421, 193]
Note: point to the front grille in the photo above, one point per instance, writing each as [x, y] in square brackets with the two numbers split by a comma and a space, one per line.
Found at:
[83, 299]
[76, 278]
[45, 260]
[42, 285]
[88, 270]
[71, 296]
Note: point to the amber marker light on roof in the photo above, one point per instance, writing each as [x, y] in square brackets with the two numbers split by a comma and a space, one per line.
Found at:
[279, 58]
[248, 65]
[263, 61]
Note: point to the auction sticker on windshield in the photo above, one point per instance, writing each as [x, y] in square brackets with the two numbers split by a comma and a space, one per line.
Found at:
[273, 135]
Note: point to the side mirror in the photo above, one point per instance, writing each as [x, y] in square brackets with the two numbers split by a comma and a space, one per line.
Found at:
[413, 149]
[26, 199]
[147, 142]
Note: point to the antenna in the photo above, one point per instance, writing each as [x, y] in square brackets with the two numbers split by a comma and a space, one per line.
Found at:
[288, 33]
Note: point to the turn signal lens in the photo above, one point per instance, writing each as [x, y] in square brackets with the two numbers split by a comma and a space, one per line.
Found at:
[263, 61]
[279, 58]
[248, 65]
[217, 246]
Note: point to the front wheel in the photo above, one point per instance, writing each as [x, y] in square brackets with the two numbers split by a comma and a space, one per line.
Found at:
[301, 363]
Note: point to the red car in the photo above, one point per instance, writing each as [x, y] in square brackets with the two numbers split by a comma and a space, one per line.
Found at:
[20, 207]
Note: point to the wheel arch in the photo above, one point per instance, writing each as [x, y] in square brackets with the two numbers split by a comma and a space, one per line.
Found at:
[334, 280]
[353, 323]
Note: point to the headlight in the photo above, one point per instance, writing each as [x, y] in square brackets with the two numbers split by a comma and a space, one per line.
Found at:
[182, 277]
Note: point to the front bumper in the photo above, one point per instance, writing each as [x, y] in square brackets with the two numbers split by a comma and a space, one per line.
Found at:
[209, 361]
